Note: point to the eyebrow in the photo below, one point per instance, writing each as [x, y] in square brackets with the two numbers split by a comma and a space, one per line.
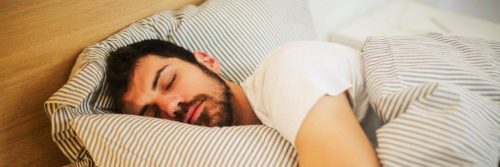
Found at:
[155, 82]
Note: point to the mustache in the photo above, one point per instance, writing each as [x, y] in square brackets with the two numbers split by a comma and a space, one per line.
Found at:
[184, 106]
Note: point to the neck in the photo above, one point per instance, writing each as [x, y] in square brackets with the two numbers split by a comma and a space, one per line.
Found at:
[243, 113]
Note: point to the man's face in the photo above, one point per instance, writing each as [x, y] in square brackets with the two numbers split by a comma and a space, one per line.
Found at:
[174, 89]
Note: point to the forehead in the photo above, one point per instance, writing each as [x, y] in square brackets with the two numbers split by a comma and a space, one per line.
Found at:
[148, 64]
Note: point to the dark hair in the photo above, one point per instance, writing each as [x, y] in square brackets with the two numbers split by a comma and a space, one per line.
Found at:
[121, 64]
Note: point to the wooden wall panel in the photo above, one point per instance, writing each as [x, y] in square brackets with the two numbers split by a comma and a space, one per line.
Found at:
[39, 43]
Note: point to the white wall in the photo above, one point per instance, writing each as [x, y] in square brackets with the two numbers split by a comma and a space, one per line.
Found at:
[331, 14]
[485, 9]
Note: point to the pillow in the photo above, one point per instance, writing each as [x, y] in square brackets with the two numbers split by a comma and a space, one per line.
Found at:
[180, 144]
[237, 32]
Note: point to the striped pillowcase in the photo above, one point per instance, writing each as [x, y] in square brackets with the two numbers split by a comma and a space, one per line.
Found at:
[237, 32]
[439, 97]
[143, 141]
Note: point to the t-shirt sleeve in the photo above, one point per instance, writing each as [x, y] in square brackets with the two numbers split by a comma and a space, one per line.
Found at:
[293, 87]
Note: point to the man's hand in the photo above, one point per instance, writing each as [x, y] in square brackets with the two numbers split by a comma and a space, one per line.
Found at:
[331, 136]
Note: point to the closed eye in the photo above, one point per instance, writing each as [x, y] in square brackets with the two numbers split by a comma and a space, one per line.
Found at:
[171, 82]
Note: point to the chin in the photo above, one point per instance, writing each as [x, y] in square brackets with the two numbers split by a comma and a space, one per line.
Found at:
[215, 118]
[216, 123]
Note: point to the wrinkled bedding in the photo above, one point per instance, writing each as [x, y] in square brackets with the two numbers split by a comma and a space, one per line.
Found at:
[438, 98]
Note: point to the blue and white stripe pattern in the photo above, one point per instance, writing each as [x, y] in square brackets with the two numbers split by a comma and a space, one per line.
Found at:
[439, 98]
[143, 141]
[238, 32]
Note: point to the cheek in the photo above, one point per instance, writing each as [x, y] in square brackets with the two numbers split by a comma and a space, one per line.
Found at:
[190, 86]
[200, 85]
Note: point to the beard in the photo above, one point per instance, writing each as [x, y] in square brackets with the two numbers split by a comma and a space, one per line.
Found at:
[218, 110]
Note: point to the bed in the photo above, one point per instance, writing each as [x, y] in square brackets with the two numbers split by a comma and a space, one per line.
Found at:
[82, 128]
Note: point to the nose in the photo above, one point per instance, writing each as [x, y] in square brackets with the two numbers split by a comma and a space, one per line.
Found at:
[169, 104]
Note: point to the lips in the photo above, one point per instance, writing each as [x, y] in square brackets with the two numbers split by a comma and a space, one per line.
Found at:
[197, 112]
[193, 113]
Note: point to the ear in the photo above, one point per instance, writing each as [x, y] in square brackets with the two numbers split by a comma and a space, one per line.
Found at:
[208, 60]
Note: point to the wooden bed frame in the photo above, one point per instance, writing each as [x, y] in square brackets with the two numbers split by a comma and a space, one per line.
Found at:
[40, 41]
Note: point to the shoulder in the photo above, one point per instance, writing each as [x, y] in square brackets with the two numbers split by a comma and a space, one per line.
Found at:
[301, 58]
[302, 46]
[310, 51]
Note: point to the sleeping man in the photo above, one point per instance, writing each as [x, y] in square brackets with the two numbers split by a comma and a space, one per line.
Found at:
[310, 92]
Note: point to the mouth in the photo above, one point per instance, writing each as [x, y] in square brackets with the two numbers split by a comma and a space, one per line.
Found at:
[194, 113]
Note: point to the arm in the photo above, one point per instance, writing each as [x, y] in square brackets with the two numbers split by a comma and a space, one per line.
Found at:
[331, 136]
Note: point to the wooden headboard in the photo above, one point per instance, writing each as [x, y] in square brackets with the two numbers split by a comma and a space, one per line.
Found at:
[39, 43]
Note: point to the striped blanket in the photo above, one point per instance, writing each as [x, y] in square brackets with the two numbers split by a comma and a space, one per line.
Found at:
[438, 98]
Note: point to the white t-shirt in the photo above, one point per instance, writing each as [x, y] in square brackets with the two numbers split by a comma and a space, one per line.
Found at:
[293, 77]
